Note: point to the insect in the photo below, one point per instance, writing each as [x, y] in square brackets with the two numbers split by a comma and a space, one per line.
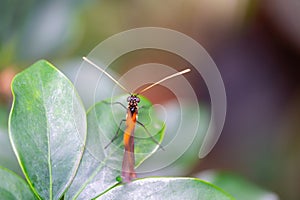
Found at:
[128, 172]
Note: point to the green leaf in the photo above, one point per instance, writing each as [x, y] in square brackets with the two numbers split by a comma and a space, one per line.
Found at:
[237, 186]
[100, 167]
[167, 188]
[13, 187]
[47, 128]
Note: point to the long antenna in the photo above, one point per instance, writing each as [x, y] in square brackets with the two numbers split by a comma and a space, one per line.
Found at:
[164, 79]
[107, 74]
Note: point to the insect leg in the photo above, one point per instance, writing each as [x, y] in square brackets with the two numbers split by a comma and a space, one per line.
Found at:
[116, 103]
[116, 135]
[140, 123]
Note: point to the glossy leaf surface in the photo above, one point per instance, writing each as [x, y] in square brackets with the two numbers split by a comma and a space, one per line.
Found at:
[47, 128]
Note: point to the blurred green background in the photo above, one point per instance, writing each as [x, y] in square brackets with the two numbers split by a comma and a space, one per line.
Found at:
[255, 44]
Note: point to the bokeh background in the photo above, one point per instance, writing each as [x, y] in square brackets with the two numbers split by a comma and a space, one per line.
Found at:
[255, 44]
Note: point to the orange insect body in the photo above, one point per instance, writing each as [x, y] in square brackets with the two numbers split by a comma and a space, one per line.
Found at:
[128, 172]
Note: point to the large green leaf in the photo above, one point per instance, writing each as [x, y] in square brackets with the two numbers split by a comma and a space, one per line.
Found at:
[237, 186]
[13, 187]
[47, 128]
[99, 166]
[167, 188]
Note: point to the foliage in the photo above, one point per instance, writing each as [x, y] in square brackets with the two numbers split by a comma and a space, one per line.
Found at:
[60, 148]
[237, 185]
